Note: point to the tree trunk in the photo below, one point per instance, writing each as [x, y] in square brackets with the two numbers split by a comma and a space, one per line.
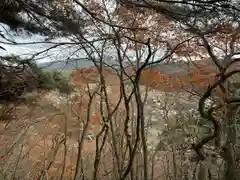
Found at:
[230, 152]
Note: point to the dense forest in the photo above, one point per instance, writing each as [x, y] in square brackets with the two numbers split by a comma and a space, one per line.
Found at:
[140, 89]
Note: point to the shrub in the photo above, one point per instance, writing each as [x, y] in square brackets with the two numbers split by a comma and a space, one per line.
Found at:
[25, 73]
[54, 80]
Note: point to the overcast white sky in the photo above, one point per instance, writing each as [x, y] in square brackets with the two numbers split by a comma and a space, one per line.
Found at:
[58, 53]
[25, 50]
